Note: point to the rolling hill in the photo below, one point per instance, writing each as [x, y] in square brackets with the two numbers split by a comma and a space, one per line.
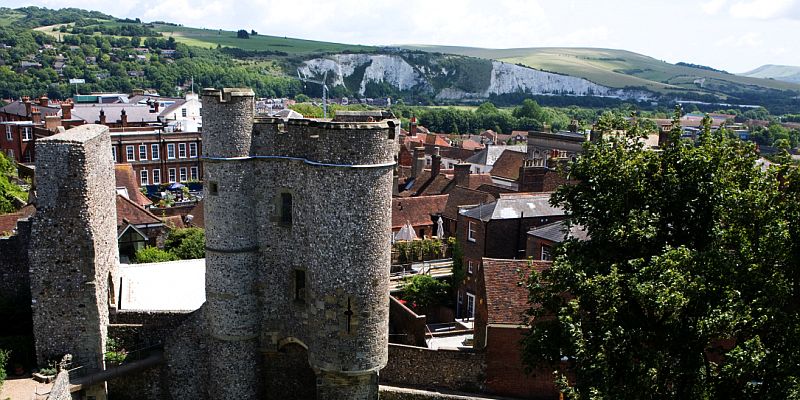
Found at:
[786, 73]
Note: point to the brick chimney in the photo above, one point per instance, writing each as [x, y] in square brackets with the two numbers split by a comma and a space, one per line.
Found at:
[27, 101]
[412, 127]
[102, 117]
[66, 110]
[52, 122]
[531, 175]
[124, 116]
[462, 171]
[36, 115]
[436, 162]
[44, 101]
[419, 161]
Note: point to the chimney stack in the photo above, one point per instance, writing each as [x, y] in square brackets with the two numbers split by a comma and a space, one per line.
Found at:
[36, 115]
[124, 117]
[412, 127]
[66, 110]
[462, 171]
[102, 117]
[52, 122]
[436, 162]
[419, 161]
[44, 101]
[27, 101]
[531, 175]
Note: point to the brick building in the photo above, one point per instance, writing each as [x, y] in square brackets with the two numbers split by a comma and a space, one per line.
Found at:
[542, 240]
[159, 157]
[498, 230]
[500, 324]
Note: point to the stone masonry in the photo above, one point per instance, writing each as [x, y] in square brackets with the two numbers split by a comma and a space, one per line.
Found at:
[297, 246]
[73, 250]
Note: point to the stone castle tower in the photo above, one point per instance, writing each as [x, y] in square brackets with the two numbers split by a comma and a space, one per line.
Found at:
[73, 250]
[297, 216]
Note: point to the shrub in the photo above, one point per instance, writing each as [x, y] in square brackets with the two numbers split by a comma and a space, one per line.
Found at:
[423, 291]
[114, 351]
[3, 360]
[186, 243]
[154, 254]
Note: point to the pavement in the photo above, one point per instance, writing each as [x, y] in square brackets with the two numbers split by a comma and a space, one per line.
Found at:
[24, 388]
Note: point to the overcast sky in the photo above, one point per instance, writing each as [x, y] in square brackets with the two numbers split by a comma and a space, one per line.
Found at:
[735, 35]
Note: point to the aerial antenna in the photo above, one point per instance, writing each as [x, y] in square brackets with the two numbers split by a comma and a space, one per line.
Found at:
[324, 90]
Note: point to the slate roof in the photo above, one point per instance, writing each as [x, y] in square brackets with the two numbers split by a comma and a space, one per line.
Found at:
[490, 154]
[513, 206]
[494, 190]
[416, 210]
[126, 178]
[506, 296]
[461, 196]
[131, 213]
[556, 232]
[170, 108]
[18, 108]
[137, 113]
[508, 165]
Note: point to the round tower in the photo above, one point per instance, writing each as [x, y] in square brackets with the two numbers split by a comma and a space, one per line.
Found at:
[231, 245]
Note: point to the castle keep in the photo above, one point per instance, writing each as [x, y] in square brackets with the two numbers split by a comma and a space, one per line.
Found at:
[297, 250]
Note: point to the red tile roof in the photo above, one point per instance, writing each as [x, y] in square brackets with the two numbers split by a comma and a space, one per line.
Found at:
[470, 144]
[506, 294]
[129, 212]
[416, 210]
[508, 165]
[126, 178]
[8, 222]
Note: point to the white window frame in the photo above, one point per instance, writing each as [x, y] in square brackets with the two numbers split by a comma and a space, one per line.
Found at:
[10, 154]
[470, 305]
[170, 151]
[192, 150]
[155, 151]
[114, 153]
[194, 174]
[9, 133]
[142, 152]
[130, 155]
[144, 179]
[156, 176]
[27, 133]
[182, 174]
[181, 150]
[184, 112]
[546, 250]
[469, 267]
[471, 231]
[171, 175]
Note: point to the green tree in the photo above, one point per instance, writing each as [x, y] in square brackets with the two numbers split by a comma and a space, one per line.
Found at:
[423, 291]
[3, 361]
[154, 254]
[186, 243]
[692, 259]
[242, 34]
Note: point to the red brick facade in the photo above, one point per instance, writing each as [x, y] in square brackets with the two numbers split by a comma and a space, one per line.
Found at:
[164, 157]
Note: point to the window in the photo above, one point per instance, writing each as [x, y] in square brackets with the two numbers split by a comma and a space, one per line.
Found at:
[142, 152]
[471, 231]
[470, 305]
[300, 285]
[546, 253]
[171, 175]
[213, 188]
[192, 150]
[183, 112]
[170, 150]
[8, 133]
[155, 152]
[129, 153]
[156, 177]
[10, 153]
[193, 174]
[181, 150]
[27, 133]
[114, 153]
[143, 175]
[183, 174]
[286, 209]
[469, 266]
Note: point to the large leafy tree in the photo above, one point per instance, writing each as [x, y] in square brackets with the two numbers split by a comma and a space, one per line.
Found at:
[689, 285]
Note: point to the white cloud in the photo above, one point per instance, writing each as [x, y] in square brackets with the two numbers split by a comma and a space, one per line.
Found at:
[713, 7]
[765, 9]
[748, 39]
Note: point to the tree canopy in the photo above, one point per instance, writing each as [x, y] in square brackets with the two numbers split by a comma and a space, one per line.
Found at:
[689, 285]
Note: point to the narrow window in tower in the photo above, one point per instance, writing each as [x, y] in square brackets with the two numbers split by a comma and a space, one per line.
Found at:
[213, 188]
[286, 208]
[300, 285]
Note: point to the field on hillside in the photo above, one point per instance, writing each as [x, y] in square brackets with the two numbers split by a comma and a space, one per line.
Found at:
[213, 37]
[8, 17]
[615, 68]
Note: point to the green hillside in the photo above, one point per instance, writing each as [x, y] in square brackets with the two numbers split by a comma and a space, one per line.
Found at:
[615, 68]
[786, 73]
[214, 37]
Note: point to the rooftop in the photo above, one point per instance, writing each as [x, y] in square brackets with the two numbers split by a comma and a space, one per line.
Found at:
[174, 285]
[513, 206]
[557, 232]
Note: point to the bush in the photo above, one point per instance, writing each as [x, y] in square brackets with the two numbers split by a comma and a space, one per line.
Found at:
[3, 360]
[114, 351]
[423, 291]
[154, 254]
[187, 243]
